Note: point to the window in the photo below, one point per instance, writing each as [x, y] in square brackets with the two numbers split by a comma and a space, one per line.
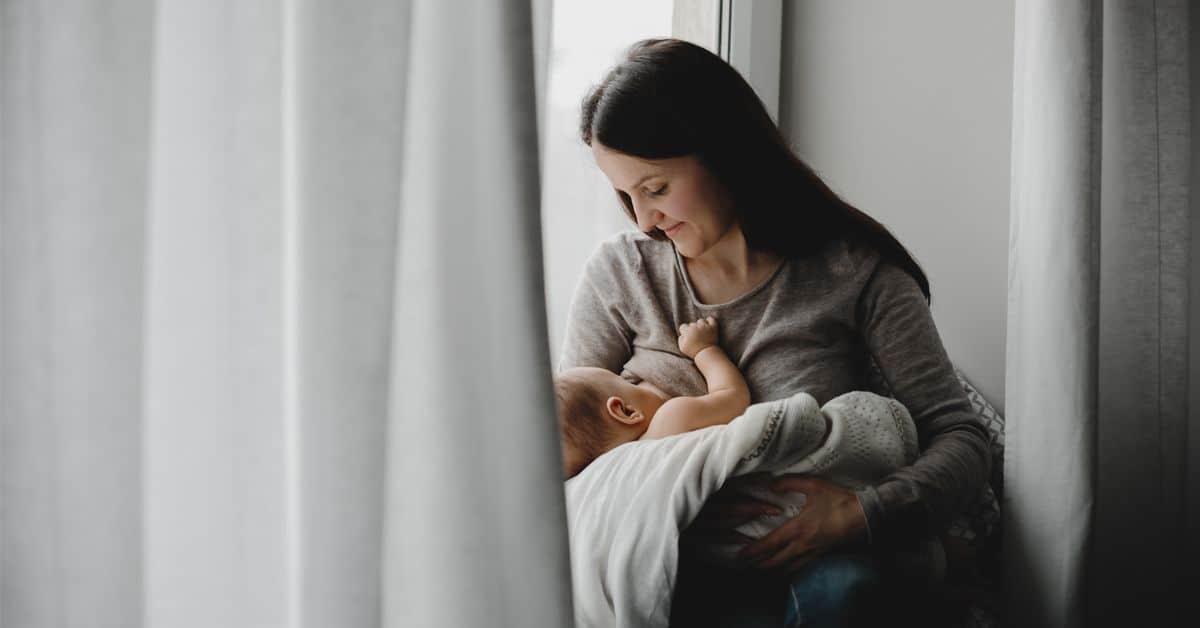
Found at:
[579, 208]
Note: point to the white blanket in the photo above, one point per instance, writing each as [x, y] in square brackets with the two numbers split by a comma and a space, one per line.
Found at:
[627, 508]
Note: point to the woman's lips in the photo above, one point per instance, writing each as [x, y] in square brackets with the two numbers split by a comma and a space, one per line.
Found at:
[673, 230]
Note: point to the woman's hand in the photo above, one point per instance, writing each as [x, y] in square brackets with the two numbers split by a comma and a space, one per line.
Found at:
[830, 519]
[727, 509]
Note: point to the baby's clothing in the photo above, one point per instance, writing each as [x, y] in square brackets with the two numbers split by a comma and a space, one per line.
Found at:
[869, 437]
[627, 510]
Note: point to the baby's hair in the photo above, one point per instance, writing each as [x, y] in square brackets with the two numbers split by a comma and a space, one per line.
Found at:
[581, 421]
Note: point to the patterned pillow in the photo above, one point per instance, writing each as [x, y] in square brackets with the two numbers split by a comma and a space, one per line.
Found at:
[982, 593]
[978, 595]
[989, 517]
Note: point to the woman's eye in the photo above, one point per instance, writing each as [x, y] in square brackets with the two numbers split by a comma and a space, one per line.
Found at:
[659, 192]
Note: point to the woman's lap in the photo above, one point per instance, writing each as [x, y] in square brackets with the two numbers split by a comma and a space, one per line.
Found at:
[834, 590]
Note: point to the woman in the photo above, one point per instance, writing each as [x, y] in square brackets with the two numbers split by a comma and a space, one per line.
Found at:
[810, 292]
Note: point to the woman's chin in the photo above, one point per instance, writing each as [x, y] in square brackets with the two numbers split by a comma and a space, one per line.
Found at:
[685, 247]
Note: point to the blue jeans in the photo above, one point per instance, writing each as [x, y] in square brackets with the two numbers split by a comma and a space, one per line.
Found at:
[833, 590]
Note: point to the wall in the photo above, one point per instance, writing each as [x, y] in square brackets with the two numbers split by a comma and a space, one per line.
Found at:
[905, 109]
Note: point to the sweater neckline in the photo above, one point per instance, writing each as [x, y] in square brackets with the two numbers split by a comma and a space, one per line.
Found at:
[687, 283]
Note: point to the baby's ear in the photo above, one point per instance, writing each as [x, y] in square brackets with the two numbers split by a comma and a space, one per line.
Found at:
[623, 412]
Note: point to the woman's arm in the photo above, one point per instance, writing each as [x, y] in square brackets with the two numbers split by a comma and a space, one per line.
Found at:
[898, 329]
[913, 502]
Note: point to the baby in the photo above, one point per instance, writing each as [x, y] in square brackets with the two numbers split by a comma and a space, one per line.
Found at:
[863, 435]
[598, 410]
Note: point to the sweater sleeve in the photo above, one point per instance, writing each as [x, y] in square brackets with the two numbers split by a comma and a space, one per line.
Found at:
[597, 334]
[916, 501]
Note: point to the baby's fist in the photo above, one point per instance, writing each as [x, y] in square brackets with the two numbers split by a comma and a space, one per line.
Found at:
[694, 337]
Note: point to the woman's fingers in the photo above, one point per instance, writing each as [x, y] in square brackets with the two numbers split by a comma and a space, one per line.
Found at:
[786, 553]
[731, 507]
[725, 515]
[788, 538]
[831, 518]
[795, 483]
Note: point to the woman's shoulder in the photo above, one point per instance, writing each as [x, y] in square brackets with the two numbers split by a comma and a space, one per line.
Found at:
[629, 253]
[852, 271]
[844, 259]
[865, 274]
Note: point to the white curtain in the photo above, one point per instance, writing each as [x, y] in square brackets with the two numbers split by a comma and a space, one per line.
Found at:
[272, 338]
[1097, 363]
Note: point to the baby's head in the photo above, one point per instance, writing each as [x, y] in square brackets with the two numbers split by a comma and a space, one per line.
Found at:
[598, 410]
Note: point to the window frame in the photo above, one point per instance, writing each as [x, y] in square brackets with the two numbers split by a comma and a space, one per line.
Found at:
[750, 38]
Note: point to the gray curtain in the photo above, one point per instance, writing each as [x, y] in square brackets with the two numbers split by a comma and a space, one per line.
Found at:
[272, 343]
[1097, 363]
[475, 503]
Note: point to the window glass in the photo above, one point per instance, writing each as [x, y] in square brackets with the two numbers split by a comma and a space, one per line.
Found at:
[579, 207]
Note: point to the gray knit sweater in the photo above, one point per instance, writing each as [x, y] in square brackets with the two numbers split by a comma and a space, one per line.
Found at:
[815, 325]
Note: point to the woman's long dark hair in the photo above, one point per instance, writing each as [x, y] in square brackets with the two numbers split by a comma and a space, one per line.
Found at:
[671, 98]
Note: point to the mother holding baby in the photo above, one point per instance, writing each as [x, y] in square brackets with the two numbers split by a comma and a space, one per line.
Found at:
[811, 295]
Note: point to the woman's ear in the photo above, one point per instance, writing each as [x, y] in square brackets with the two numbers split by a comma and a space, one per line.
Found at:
[623, 412]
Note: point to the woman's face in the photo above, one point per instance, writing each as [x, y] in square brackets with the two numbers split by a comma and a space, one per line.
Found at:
[678, 195]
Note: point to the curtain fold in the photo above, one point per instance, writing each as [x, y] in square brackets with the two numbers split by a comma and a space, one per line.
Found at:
[1143, 358]
[75, 97]
[475, 518]
[216, 423]
[1097, 332]
[349, 66]
[243, 245]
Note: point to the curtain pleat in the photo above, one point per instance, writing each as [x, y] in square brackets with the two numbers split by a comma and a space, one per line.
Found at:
[74, 99]
[1052, 314]
[269, 271]
[1142, 341]
[217, 427]
[349, 61]
[475, 532]
[1097, 333]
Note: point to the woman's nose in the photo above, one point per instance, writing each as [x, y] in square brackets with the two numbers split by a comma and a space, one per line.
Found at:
[647, 219]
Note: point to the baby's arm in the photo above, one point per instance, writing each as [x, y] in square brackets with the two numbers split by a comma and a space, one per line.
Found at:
[728, 395]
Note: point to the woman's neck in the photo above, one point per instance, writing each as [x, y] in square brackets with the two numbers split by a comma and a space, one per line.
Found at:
[729, 268]
[731, 260]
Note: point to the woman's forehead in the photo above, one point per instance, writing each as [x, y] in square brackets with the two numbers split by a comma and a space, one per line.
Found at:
[627, 171]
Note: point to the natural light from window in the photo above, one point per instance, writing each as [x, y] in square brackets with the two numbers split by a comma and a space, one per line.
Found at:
[579, 208]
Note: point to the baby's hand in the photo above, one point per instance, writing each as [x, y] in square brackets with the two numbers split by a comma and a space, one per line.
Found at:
[694, 337]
